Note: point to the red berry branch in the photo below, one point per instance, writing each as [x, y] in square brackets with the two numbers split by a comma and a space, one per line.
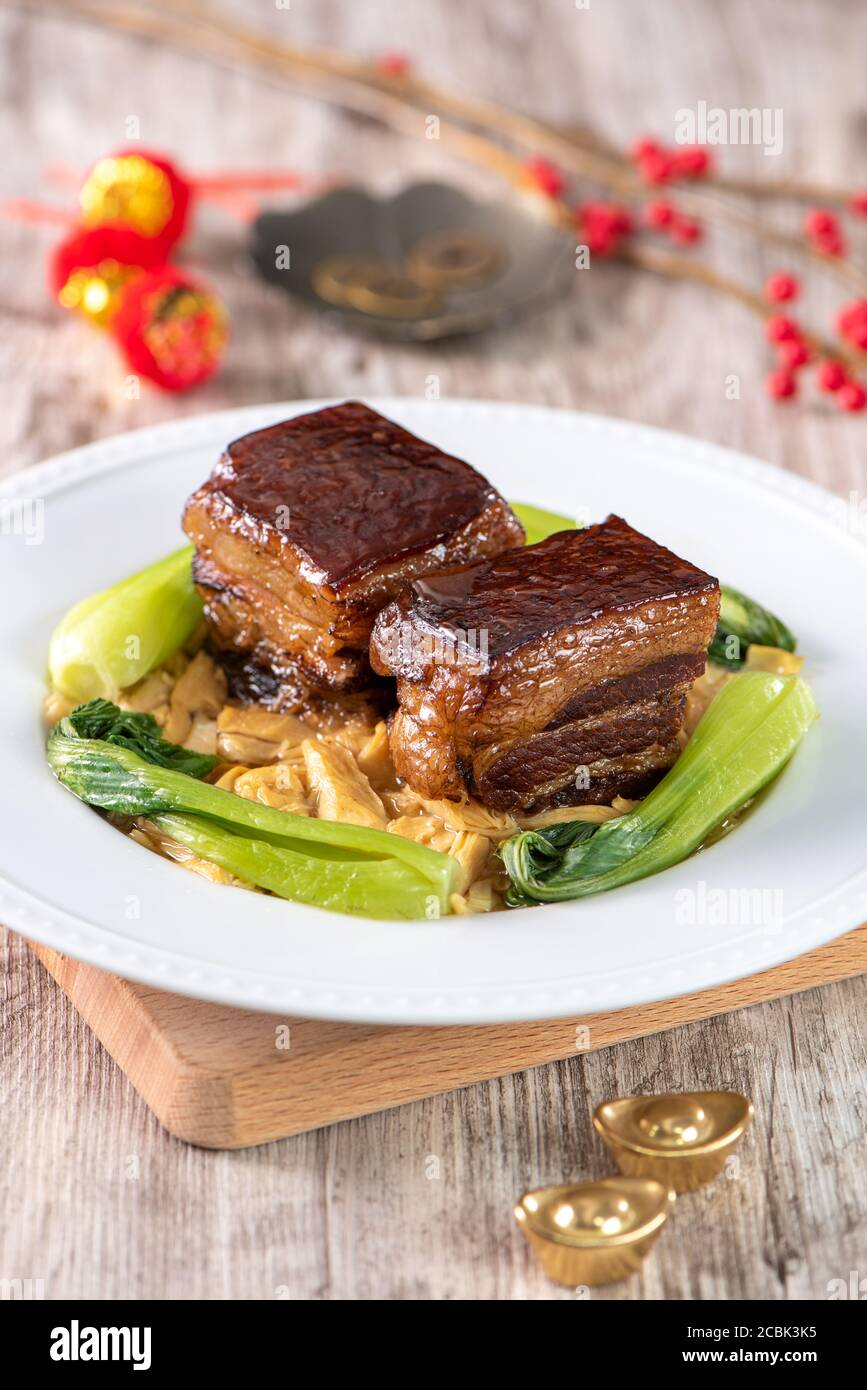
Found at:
[608, 229]
[533, 153]
[772, 190]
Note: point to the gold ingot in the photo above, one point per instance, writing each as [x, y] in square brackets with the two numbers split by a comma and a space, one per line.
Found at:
[681, 1140]
[454, 258]
[594, 1232]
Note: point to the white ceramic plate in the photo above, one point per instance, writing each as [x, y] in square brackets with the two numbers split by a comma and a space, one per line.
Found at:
[792, 876]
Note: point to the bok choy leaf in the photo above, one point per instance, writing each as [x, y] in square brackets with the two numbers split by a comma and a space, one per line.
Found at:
[130, 770]
[743, 623]
[745, 738]
[100, 719]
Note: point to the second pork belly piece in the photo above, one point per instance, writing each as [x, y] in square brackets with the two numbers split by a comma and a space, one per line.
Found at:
[553, 675]
[305, 529]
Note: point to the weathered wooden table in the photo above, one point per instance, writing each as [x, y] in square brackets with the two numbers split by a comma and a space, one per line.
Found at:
[97, 1200]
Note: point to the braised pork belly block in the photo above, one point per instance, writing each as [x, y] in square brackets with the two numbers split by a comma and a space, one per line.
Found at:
[554, 674]
[305, 529]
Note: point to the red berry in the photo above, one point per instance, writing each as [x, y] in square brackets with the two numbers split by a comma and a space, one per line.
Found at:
[685, 230]
[780, 385]
[823, 229]
[851, 315]
[602, 225]
[852, 322]
[792, 353]
[819, 222]
[830, 376]
[598, 242]
[392, 64]
[693, 162]
[830, 244]
[606, 216]
[852, 396]
[781, 286]
[858, 204]
[546, 176]
[642, 147]
[656, 167]
[657, 213]
[778, 328]
[598, 236]
[857, 336]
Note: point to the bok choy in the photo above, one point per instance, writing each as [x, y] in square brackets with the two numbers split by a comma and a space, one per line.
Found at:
[100, 719]
[539, 524]
[130, 771]
[743, 623]
[746, 736]
[110, 640]
[360, 885]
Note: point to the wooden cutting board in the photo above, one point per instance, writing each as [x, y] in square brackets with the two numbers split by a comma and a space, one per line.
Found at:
[227, 1078]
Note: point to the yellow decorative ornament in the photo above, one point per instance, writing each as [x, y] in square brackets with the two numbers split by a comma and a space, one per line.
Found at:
[138, 191]
[92, 290]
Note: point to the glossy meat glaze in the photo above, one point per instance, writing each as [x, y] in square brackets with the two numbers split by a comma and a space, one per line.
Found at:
[306, 529]
[517, 675]
[529, 676]
[568, 580]
[343, 492]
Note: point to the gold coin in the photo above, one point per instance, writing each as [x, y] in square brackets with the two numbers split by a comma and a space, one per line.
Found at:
[454, 258]
[332, 279]
[390, 293]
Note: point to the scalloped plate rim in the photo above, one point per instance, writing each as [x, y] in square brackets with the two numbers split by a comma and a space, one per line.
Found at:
[408, 1002]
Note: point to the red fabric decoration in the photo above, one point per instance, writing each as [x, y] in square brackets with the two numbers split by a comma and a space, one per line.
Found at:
[88, 270]
[171, 329]
[88, 249]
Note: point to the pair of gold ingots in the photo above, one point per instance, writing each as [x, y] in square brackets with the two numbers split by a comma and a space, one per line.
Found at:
[598, 1232]
[439, 263]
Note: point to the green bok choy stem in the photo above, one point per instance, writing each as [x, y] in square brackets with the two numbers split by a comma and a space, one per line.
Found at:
[360, 885]
[747, 735]
[356, 869]
[110, 640]
[539, 524]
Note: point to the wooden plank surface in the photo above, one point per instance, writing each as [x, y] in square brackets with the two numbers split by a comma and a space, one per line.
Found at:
[228, 1078]
[415, 1202]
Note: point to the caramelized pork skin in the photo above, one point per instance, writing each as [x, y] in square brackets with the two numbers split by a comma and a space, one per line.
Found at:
[306, 529]
[561, 657]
